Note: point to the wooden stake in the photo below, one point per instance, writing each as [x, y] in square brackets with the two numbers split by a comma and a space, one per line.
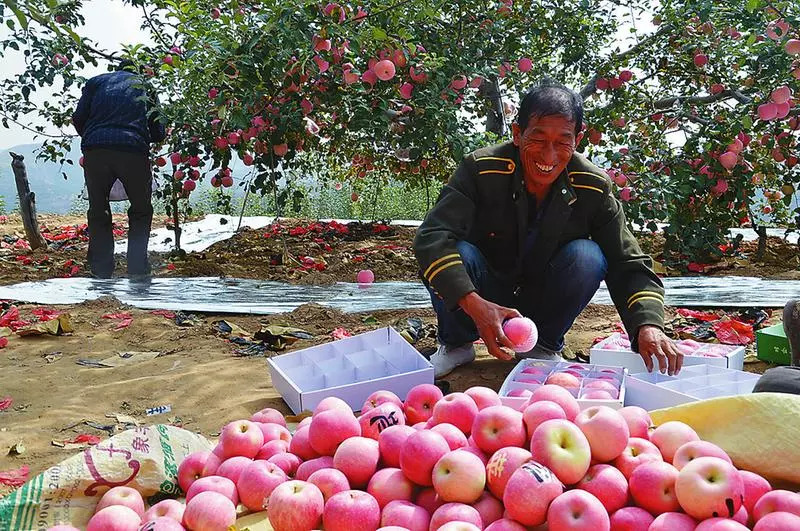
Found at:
[27, 203]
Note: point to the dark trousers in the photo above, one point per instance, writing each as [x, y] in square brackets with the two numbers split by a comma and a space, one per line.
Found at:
[101, 167]
[779, 380]
[571, 280]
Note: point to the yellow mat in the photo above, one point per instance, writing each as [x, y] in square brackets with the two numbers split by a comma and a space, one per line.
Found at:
[760, 431]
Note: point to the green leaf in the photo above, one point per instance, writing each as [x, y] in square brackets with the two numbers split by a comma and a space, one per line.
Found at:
[379, 34]
[752, 5]
[23, 20]
[747, 122]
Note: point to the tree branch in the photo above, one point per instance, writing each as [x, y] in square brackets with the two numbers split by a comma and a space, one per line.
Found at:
[29, 128]
[157, 34]
[702, 100]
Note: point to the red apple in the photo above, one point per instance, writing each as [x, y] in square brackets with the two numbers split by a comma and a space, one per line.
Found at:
[125, 496]
[351, 510]
[631, 519]
[530, 492]
[300, 445]
[563, 448]
[330, 428]
[457, 409]
[390, 443]
[287, 462]
[380, 397]
[420, 402]
[329, 481]
[209, 510]
[455, 512]
[755, 487]
[538, 412]
[269, 415]
[670, 436]
[606, 431]
[490, 508]
[694, 449]
[241, 437]
[271, 448]
[357, 458]
[637, 452]
[420, 454]
[307, 468]
[497, 427]
[256, 483]
[377, 419]
[709, 487]
[115, 518]
[652, 487]
[577, 509]
[560, 396]
[483, 397]
[501, 467]
[776, 501]
[295, 505]
[673, 522]
[638, 420]
[172, 509]
[195, 466]
[405, 514]
[608, 484]
[389, 484]
[455, 438]
[459, 476]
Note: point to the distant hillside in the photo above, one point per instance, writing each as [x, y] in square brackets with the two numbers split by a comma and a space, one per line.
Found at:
[53, 193]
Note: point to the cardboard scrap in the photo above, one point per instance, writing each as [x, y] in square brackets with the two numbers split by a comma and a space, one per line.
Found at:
[55, 327]
[278, 337]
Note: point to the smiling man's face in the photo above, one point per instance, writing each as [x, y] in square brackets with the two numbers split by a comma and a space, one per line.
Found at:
[546, 147]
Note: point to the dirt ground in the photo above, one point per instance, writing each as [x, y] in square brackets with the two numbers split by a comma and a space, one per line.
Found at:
[196, 371]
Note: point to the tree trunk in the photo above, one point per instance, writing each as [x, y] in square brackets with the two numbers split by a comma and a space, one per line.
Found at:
[27, 203]
[495, 119]
[762, 242]
[176, 222]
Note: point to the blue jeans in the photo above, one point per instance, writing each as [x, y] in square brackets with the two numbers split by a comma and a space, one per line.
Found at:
[571, 280]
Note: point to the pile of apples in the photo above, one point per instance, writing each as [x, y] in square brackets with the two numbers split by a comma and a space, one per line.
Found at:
[461, 462]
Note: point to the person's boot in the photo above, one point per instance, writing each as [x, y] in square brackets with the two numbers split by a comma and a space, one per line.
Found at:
[791, 327]
[445, 359]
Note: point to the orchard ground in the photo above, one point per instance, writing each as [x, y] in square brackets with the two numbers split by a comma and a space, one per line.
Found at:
[198, 373]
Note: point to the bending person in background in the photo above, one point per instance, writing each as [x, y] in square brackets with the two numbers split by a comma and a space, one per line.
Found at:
[117, 120]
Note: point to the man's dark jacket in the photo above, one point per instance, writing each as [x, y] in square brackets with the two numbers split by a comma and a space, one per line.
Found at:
[486, 204]
[115, 112]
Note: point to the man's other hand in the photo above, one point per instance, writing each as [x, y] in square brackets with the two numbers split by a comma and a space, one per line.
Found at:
[654, 343]
[489, 318]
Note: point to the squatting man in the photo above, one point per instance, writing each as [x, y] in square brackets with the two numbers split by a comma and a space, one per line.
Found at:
[531, 227]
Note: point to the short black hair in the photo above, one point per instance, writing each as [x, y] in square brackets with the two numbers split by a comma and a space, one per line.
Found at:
[550, 98]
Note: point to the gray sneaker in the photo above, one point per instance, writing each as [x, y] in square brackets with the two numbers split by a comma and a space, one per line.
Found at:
[540, 353]
[445, 359]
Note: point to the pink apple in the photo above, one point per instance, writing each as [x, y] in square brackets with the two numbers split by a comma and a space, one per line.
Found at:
[741, 515]
[329, 481]
[577, 509]
[209, 510]
[767, 111]
[428, 500]
[529, 492]
[378, 418]
[455, 438]
[115, 518]
[241, 437]
[381, 397]
[631, 519]
[497, 427]
[522, 332]
[357, 458]
[501, 467]
[307, 468]
[459, 526]
[390, 443]
[389, 484]
[755, 487]
[637, 452]
[232, 468]
[329, 428]
[406, 514]
[420, 401]
[420, 454]
[538, 412]
[300, 445]
[605, 385]
[272, 432]
[490, 508]
[455, 512]
[271, 448]
[269, 415]
[384, 70]
[256, 483]
[720, 524]
[778, 521]
[521, 393]
[777, 501]
[606, 431]
[195, 466]
[607, 484]
[219, 484]
[638, 420]
[287, 462]
[673, 522]
[563, 448]
[366, 276]
[459, 476]
[670, 436]
[598, 394]
[476, 452]
[560, 396]
[709, 487]
[295, 505]
[563, 379]
[505, 524]
[457, 409]
[483, 397]
[331, 402]
[165, 509]
[652, 487]
[125, 496]
[351, 510]
[694, 449]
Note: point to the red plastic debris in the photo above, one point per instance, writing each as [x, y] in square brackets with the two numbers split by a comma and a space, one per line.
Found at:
[5, 403]
[694, 267]
[45, 314]
[164, 313]
[125, 323]
[15, 478]
[84, 438]
[340, 333]
[12, 314]
[733, 332]
[694, 314]
[171, 267]
[3, 342]
[121, 315]
[3, 219]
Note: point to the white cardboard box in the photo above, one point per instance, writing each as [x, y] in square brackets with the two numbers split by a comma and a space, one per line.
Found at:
[602, 354]
[351, 369]
[588, 373]
[653, 390]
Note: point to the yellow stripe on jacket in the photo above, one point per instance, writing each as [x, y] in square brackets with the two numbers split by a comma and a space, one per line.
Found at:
[439, 261]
